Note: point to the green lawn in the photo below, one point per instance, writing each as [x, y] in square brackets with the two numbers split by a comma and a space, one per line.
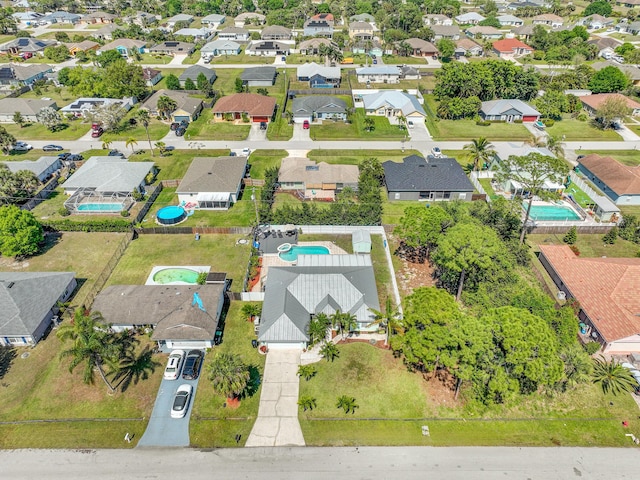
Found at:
[392, 212]
[241, 214]
[261, 160]
[354, 157]
[398, 60]
[61, 95]
[574, 130]
[299, 59]
[153, 58]
[212, 424]
[205, 129]
[36, 131]
[225, 80]
[157, 130]
[147, 251]
[192, 59]
[488, 188]
[590, 245]
[280, 129]
[627, 157]
[173, 165]
[242, 59]
[579, 196]
[339, 130]
[395, 404]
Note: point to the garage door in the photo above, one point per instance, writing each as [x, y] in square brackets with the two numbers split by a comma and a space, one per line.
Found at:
[260, 119]
[529, 118]
[180, 118]
[302, 118]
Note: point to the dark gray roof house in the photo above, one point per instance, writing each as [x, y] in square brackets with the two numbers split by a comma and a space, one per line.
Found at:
[317, 284]
[177, 320]
[25, 44]
[28, 303]
[259, 76]
[194, 71]
[318, 106]
[433, 178]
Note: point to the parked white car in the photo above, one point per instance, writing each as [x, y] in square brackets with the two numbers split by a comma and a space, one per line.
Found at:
[181, 401]
[22, 147]
[174, 365]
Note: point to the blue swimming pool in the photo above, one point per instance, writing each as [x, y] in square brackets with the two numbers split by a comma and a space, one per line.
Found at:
[171, 215]
[100, 207]
[291, 255]
[552, 213]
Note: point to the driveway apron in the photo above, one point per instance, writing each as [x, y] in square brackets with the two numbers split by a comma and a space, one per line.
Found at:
[277, 423]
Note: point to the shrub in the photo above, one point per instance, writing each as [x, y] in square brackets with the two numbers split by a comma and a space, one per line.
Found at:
[592, 347]
[517, 121]
[571, 236]
[582, 117]
[548, 122]
[483, 123]
[124, 213]
[611, 236]
[62, 211]
[102, 225]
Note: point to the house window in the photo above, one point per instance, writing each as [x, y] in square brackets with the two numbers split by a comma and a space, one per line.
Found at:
[16, 340]
[424, 195]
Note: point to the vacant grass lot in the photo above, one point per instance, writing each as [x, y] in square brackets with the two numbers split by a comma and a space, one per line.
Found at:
[157, 130]
[399, 60]
[626, 157]
[355, 130]
[174, 164]
[242, 59]
[393, 407]
[590, 245]
[574, 130]
[354, 157]
[61, 95]
[261, 160]
[147, 251]
[205, 129]
[36, 131]
[154, 58]
[212, 424]
[280, 129]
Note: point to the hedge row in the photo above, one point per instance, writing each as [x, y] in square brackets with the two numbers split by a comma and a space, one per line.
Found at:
[106, 225]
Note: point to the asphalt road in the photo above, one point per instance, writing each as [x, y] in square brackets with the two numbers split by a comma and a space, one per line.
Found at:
[406, 463]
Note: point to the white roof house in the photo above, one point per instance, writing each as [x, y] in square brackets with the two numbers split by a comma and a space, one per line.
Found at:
[109, 174]
[42, 168]
[469, 18]
[390, 100]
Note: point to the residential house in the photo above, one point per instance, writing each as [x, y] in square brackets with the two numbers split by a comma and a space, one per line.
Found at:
[361, 31]
[319, 26]
[212, 183]
[596, 22]
[409, 72]
[511, 48]
[220, 47]
[171, 47]
[42, 168]
[316, 284]
[316, 181]
[606, 46]
[194, 71]
[109, 176]
[606, 292]
[508, 110]
[633, 28]
[151, 76]
[61, 17]
[378, 74]
[592, 103]
[181, 18]
[236, 34]
[363, 17]
[173, 311]
[142, 19]
[213, 21]
[370, 47]
[30, 303]
[318, 107]
[25, 45]
[486, 33]
[249, 18]
[465, 47]
[628, 3]
[312, 46]
[508, 20]
[106, 32]
[85, 105]
[28, 18]
[470, 18]
[275, 32]
[187, 108]
[195, 34]
[84, 46]
[430, 179]
[16, 74]
[259, 76]
[268, 48]
[318, 76]
[28, 108]
[257, 108]
[451, 32]
[419, 48]
[124, 46]
[548, 19]
[632, 72]
[617, 181]
[392, 103]
[437, 19]
[526, 4]
[99, 17]
[524, 32]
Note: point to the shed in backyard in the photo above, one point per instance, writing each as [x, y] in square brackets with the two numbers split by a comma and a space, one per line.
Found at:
[361, 241]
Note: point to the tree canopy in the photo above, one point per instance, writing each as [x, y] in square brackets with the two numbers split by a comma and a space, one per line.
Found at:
[609, 79]
[20, 232]
[117, 79]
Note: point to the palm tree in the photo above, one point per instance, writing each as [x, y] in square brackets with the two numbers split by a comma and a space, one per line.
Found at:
[348, 404]
[344, 322]
[368, 124]
[166, 105]
[91, 344]
[130, 143]
[230, 376]
[307, 403]
[480, 152]
[251, 310]
[133, 368]
[330, 351]
[106, 145]
[577, 365]
[402, 122]
[307, 371]
[162, 147]
[389, 320]
[536, 141]
[555, 145]
[404, 49]
[612, 376]
[317, 329]
[144, 117]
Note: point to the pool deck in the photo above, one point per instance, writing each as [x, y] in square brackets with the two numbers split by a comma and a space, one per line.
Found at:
[274, 260]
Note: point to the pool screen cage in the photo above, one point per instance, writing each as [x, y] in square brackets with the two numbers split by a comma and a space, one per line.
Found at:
[91, 196]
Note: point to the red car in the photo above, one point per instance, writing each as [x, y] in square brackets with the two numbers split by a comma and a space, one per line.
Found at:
[305, 125]
[97, 133]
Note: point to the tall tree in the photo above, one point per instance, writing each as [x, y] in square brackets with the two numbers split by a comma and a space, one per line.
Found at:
[6, 140]
[133, 367]
[532, 172]
[166, 106]
[20, 232]
[318, 327]
[611, 111]
[131, 143]
[609, 79]
[172, 82]
[144, 118]
[19, 120]
[480, 152]
[229, 374]
[420, 229]
[50, 118]
[389, 319]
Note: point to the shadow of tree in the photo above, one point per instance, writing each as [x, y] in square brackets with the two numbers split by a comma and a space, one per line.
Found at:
[254, 382]
[7, 354]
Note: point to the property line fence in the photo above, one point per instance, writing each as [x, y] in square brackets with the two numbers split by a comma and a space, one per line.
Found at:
[584, 186]
[42, 195]
[159, 230]
[474, 181]
[149, 203]
[321, 91]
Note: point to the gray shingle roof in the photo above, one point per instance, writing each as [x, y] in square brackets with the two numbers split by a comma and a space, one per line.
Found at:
[109, 174]
[318, 104]
[27, 297]
[497, 107]
[26, 106]
[213, 174]
[195, 70]
[37, 167]
[258, 73]
[416, 174]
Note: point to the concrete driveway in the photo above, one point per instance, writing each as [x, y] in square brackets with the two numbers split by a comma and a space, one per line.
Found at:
[299, 133]
[277, 424]
[255, 134]
[419, 131]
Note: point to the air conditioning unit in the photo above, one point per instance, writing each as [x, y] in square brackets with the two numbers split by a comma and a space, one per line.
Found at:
[562, 295]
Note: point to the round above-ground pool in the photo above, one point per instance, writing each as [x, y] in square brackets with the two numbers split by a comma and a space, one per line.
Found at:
[176, 275]
[171, 215]
[291, 255]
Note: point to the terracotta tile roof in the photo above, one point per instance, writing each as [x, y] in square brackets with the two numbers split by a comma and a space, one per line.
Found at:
[608, 289]
[509, 45]
[249, 103]
[596, 100]
[620, 178]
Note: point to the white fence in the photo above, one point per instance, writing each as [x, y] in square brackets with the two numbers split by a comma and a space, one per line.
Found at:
[583, 185]
[252, 296]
